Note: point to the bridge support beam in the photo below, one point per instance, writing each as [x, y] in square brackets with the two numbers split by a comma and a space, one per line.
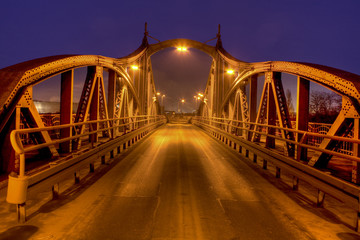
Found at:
[252, 102]
[112, 99]
[302, 114]
[66, 108]
[355, 173]
[271, 111]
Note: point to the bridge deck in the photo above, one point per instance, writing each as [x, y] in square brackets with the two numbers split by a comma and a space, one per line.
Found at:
[179, 183]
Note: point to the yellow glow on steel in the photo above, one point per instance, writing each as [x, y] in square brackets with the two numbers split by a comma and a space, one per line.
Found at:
[230, 71]
[134, 67]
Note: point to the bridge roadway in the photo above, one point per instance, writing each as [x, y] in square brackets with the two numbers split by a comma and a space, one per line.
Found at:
[179, 183]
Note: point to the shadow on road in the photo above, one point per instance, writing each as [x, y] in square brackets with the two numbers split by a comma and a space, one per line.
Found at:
[19, 232]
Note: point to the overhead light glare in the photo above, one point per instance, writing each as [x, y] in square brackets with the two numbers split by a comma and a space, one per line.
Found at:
[182, 49]
[230, 71]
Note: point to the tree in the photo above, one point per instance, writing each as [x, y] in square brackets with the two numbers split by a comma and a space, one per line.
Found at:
[289, 103]
[324, 106]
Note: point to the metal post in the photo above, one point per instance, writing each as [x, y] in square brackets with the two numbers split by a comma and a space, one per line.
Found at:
[21, 212]
[271, 111]
[302, 113]
[76, 177]
[253, 102]
[66, 108]
[355, 173]
[55, 191]
[94, 110]
[112, 99]
[278, 171]
[264, 164]
[92, 168]
[295, 183]
[320, 198]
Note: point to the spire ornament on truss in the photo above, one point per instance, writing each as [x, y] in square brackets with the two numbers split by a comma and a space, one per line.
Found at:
[146, 34]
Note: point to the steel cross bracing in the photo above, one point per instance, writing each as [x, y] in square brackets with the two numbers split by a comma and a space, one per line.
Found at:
[230, 100]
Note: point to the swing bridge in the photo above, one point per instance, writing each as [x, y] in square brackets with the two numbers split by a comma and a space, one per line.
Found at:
[106, 123]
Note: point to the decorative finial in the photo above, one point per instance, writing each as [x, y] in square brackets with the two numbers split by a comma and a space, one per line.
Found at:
[146, 33]
[218, 36]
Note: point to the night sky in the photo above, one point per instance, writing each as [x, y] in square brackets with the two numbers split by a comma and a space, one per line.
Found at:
[326, 32]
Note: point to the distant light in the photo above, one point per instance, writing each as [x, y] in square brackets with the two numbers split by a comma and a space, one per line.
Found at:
[158, 93]
[182, 100]
[198, 98]
[200, 94]
[230, 71]
[134, 67]
[164, 95]
[182, 49]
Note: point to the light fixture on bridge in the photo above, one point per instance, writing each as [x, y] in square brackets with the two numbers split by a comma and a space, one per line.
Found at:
[182, 49]
[200, 94]
[182, 100]
[134, 67]
[158, 93]
[230, 71]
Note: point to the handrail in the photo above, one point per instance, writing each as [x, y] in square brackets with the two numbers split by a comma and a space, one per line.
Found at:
[291, 163]
[306, 133]
[21, 150]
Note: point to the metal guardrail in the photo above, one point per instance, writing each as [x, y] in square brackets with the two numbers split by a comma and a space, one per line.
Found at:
[19, 184]
[342, 190]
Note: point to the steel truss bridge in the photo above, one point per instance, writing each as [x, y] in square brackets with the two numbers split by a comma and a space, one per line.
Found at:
[229, 111]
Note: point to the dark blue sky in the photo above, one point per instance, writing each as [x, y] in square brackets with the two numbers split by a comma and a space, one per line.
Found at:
[318, 31]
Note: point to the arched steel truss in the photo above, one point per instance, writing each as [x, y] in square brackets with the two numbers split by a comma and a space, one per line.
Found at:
[225, 95]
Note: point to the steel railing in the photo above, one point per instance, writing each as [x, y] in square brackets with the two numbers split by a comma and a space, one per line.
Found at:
[132, 129]
[238, 132]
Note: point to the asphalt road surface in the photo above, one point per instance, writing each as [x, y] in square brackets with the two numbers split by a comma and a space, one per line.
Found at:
[178, 183]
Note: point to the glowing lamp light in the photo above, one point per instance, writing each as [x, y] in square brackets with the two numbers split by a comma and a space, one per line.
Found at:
[182, 100]
[158, 93]
[135, 67]
[230, 71]
[182, 49]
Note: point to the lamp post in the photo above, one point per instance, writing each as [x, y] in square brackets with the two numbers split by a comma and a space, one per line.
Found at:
[162, 99]
[182, 102]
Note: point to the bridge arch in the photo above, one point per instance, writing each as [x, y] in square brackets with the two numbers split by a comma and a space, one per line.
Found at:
[344, 83]
[15, 79]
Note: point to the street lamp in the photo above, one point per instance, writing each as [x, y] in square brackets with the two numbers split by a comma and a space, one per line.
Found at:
[230, 71]
[162, 99]
[182, 49]
[182, 102]
[134, 67]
